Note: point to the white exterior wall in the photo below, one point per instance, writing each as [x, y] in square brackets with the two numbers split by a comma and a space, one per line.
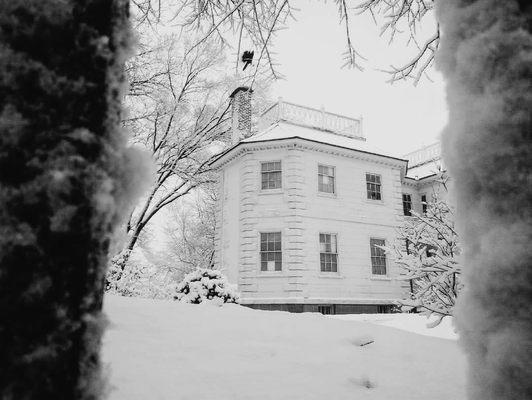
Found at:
[300, 212]
[355, 220]
[428, 187]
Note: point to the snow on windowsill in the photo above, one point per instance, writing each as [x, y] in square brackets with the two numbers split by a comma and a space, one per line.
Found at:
[270, 191]
[380, 278]
[271, 274]
[333, 275]
[329, 195]
[375, 202]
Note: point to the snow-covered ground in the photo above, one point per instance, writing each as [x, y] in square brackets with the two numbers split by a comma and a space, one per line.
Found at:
[168, 350]
[416, 323]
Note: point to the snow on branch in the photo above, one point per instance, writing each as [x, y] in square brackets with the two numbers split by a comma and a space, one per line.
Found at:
[402, 16]
[428, 252]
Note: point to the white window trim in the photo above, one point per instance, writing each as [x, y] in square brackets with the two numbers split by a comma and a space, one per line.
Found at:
[283, 260]
[421, 201]
[331, 274]
[411, 203]
[387, 276]
[270, 191]
[326, 194]
[373, 201]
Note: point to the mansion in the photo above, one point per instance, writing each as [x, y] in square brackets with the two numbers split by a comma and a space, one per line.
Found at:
[305, 205]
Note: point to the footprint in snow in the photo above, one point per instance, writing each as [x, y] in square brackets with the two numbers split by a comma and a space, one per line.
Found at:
[362, 341]
[364, 382]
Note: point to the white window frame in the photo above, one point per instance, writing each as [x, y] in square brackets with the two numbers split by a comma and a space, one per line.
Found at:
[333, 176]
[280, 171]
[378, 256]
[409, 202]
[267, 251]
[336, 253]
[378, 186]
[424, 206]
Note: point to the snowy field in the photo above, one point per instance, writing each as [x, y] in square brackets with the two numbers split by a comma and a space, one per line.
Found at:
[167, 350]
[408, 322]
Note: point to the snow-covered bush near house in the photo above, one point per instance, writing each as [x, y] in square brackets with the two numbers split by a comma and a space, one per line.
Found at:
[169, 350]
[206, 284]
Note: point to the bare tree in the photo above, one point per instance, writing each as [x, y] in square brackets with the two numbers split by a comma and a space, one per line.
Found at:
[227, 22]
[405, 16]
[179, 112]
[191, 232]
[258, 22]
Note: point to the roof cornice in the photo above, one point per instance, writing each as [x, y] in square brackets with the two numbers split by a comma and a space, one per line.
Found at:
[308, 144]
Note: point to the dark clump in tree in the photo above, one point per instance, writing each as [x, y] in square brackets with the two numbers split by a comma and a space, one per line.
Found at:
[66, 178]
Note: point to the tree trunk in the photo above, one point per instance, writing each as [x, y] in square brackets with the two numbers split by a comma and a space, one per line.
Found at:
[65, 183]
[486, 57]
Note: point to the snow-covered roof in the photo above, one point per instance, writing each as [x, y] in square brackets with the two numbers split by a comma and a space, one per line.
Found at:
[282, 130]
[424, 170]
[287, 121]
[425, 161]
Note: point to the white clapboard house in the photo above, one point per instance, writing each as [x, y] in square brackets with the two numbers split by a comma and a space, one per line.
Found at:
[305, 205]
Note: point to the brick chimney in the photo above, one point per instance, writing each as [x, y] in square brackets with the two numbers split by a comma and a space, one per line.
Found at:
[240, 113]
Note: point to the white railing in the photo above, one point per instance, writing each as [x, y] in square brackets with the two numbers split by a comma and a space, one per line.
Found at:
[311, 117]
[426, 154]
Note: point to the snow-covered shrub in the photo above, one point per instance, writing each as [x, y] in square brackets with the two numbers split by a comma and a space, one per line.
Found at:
[427, 251]
[206, 284]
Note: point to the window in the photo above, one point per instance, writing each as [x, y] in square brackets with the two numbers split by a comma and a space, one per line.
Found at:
[328, 252]
[326, 179]
[373, 186]
[407, 204]
[271, 175]
[271, 255]
[424, 203]
[383, 309]
[378, 257]
[326, 310]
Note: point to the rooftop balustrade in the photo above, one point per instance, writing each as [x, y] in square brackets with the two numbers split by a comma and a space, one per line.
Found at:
[313, 118]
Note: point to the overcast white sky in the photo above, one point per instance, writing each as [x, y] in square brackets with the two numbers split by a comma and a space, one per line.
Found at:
[398, 118]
